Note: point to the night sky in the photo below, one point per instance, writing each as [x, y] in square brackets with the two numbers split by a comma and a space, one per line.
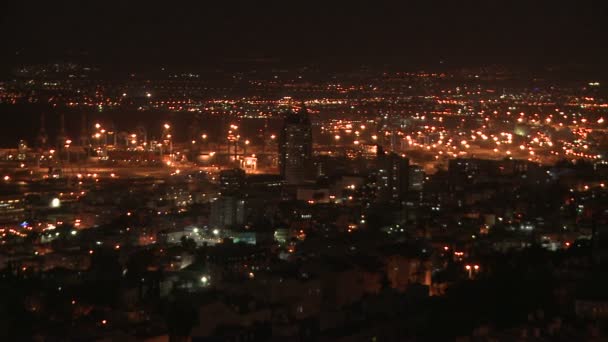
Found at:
[187, 33]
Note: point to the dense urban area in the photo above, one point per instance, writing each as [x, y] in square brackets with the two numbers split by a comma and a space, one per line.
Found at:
[300, 204]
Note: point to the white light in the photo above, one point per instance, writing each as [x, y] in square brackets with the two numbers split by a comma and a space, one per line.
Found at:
[55, 203]
[216, 232]
[204, 280]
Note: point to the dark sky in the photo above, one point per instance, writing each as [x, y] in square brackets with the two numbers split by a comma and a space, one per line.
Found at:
[186, 33]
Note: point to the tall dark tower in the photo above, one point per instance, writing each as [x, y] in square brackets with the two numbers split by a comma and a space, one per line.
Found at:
[194, 129]
[295, 149]
[84, 132]
[43, 137]
[61, 135]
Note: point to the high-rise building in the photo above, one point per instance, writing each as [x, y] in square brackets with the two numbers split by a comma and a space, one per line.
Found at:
[392, 176]
[295, 147]
[416, 178]
[229, 208]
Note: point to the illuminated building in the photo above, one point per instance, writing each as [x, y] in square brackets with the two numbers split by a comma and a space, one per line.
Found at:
[229, 208]
[295, 147]
[392, 177]
[227, 211]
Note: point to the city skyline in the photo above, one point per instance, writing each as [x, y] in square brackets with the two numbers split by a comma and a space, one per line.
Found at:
[304, 171]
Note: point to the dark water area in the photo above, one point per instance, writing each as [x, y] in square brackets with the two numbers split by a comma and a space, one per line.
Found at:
[23, 121]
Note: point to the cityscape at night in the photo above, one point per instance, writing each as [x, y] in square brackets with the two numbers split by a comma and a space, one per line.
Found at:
[267, 171]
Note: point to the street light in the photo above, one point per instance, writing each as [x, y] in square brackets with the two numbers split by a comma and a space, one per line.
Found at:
[470, 269]
[245, 147]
